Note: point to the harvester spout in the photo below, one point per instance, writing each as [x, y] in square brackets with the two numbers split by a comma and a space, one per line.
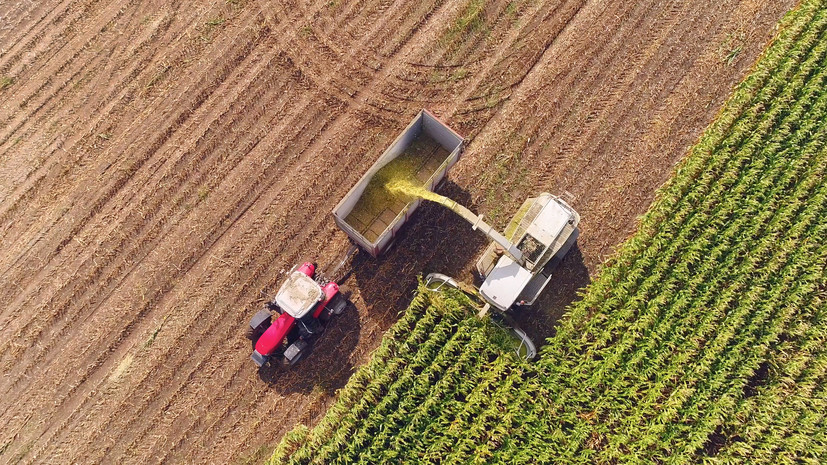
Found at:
[407, 188]
[477, 223]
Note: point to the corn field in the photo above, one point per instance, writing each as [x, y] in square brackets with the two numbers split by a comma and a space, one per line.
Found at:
[701, 341]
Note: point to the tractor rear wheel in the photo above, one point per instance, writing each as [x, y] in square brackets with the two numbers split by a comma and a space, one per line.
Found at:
[252, 334]
[337, 305]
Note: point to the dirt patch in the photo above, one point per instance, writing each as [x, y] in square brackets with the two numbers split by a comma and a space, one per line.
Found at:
[161, 165]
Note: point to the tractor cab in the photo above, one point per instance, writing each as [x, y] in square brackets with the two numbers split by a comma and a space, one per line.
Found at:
[298, 295]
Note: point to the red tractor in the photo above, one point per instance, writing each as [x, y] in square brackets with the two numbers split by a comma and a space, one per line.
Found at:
[302, 306]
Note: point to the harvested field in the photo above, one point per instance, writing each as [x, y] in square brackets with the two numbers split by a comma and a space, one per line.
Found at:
[162, 162]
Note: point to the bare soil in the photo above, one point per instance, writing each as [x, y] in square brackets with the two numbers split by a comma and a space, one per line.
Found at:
[163, 162]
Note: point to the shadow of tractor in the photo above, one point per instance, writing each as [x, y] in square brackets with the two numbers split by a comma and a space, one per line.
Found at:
[326, 363]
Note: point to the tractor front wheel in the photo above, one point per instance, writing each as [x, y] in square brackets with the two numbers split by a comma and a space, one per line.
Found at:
[340, 301]
[258, 324]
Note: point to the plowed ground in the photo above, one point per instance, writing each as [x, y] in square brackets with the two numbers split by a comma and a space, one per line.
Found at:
[161, 162]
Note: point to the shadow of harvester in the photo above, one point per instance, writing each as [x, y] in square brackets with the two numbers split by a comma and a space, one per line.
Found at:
[540, 320]
[438, 240]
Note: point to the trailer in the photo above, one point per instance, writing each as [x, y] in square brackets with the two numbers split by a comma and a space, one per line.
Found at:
[425, 151]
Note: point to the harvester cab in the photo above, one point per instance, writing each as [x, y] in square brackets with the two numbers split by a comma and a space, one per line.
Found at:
[544, 229]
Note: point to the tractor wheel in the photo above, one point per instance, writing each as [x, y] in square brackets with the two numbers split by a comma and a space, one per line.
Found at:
[295, 352]
[339, 303]
[258, 324]
[252, 334]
